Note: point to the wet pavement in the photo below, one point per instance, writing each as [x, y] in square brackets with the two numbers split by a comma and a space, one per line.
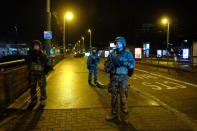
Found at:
[177, 89]
[74, 105]
[68, 88]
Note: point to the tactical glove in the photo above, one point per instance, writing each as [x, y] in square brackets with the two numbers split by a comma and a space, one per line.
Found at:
[130, 72]
[116, 62]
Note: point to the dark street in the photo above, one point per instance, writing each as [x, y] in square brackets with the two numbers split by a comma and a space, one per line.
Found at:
[73, 104]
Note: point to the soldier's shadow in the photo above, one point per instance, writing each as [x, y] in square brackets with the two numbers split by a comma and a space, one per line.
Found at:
[123, 127]
[104, 98]
[28, 120]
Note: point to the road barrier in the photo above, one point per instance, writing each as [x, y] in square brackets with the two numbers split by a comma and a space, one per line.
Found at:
[13, 83]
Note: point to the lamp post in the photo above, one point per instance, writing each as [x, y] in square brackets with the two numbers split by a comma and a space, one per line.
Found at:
[89, 30]
[48, 26]
[166, 21]
[83, 43]
[79, 43]
[67, 16]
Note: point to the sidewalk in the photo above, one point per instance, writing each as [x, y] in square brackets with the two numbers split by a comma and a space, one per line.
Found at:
[140, 119]
[151, 117]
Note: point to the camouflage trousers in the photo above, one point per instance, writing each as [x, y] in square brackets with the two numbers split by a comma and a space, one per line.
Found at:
[90, 75]
[119, 85]
[40, 79]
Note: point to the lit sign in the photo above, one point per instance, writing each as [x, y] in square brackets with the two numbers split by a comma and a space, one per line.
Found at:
[100, 52]
[185, 41]
[106, 53]
[112, 45]
[146, 46]
[147, 53]
[111, 51]
[138, 53]
[52, 52]
[164, 52]
[87, 54]
[47, 35]
[159, 53]
[185, 53]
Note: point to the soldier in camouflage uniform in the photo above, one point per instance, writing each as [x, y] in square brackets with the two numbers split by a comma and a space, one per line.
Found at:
[92, 62]
[38, 67]
[123, 64]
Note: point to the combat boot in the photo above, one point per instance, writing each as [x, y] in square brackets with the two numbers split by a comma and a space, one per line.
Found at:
[97, 84]
[90, 83]
[32, 104]
[111, 117]
[125, 121]
[42, 102]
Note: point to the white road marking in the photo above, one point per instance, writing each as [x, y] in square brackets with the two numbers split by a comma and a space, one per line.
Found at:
[168, 87]
[176, 84]
[155, 87]
[183, 82]
[143, 76]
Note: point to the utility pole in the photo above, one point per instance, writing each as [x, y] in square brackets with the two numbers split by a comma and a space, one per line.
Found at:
[48, 26]
[64, 41]
[89, 30]
[83, 43]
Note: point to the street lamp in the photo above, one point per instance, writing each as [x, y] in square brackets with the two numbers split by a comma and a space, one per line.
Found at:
[166, 21]
[83, 43]
[67, 16]
[48, 26]
[79, 43]
[89, 30]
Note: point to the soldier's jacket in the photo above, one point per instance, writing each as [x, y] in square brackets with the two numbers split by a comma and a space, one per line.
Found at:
[126, 61]
[93, 61]
[37, 62]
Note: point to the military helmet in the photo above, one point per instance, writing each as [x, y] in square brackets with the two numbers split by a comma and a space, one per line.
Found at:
[93, 49]
[36, 42]
[121, 39]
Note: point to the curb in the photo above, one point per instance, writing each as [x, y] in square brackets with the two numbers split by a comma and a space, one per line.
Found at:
[179, 114]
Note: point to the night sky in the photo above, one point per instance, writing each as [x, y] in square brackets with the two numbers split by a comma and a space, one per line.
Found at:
[24, 20]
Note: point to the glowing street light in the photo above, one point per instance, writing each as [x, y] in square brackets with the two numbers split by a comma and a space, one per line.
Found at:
[164, 21]
[89, 30]
[69, 16]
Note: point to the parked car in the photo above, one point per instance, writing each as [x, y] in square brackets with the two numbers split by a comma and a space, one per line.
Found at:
[79, 54]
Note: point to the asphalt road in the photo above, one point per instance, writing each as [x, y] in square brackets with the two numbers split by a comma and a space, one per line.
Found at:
[177, 89]
[68, 88]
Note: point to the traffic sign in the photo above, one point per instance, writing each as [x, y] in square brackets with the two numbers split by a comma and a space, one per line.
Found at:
[47, 34]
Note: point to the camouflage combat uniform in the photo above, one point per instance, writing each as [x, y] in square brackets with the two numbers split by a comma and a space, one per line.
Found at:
[37, 62]
[119, 82]
[93, 61]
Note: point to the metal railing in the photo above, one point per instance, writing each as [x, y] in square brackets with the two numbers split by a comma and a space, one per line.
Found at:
[4, 66]
[170, 63]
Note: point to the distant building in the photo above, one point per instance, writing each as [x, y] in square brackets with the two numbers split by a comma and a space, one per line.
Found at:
[10, 49]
